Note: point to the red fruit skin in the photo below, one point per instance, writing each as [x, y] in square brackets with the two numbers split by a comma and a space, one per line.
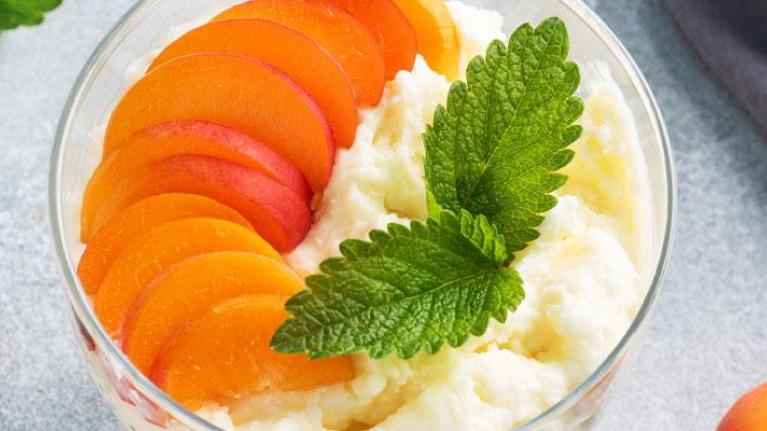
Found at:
[239, 92]
[278, 214]
[272, 164]
[347, 39]
[178, 138]
[275, 44]
[390, 27]
[749, 413]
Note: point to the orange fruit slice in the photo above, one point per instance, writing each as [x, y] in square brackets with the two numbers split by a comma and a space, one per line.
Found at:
[436, 34]
[192, 286]
[344, 37]
[104, 247]
[240, 92]
[225, 353]
[158, 249]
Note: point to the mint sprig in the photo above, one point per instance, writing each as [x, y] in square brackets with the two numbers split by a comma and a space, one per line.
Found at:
[491, 162]
[15, 13]
[404, 291]
[496, 148]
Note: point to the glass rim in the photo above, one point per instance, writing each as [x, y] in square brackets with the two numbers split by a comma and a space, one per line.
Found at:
[81, 307]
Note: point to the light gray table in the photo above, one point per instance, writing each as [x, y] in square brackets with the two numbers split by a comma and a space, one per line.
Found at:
[707, 341]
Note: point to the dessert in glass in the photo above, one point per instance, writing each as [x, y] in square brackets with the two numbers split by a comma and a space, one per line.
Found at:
[354, 214]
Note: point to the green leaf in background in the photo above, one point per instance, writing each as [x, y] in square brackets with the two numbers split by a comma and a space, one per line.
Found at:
[496, 148]
[15, 13]
[404, 291]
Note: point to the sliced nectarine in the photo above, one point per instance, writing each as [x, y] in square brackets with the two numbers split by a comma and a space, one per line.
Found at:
[162, 246]
[275, 212]
[288, 50]
[185, 137]
[225, 353]
[104, 247]
[391, 28]
[191, 287]
[436, 34]
[235, 91]
[345, 38]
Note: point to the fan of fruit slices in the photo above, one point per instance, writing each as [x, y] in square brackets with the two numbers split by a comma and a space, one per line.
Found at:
[210, 166]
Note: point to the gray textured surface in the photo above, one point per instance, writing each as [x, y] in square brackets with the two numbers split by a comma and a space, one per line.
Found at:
[706, 343]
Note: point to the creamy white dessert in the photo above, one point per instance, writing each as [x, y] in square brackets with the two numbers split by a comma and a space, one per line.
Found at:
[585, 276]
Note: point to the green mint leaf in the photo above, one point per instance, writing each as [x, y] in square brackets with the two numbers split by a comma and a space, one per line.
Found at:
[492, 157]
[404, 291]
[15, 13]
[497, 146]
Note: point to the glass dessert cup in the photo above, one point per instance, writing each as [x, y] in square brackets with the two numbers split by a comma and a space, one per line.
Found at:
[136, 401]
